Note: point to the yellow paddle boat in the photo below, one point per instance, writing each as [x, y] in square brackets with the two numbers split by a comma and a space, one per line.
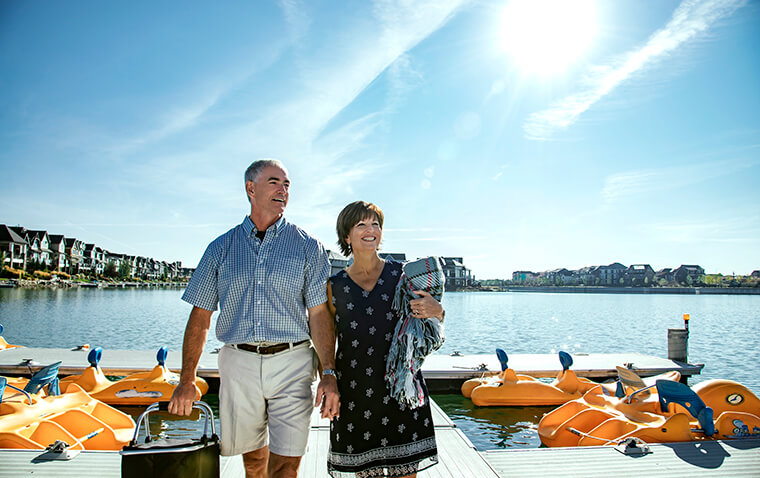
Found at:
[3, 344]
[30, 419]
[141, 388]
[601, 419]
[513, 390]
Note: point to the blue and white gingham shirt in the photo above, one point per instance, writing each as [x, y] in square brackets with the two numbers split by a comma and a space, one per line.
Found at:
[263, 288]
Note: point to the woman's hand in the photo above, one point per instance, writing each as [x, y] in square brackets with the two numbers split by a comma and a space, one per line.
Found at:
[426, 306]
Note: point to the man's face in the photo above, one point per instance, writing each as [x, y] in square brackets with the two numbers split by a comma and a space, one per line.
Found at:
[270, 192]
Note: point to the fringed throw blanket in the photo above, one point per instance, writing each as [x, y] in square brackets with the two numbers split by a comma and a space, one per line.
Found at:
[413, 338]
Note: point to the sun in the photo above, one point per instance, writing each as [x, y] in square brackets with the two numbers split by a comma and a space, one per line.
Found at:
[546, 36]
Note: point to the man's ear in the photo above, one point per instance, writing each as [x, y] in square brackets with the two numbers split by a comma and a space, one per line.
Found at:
[249, 188]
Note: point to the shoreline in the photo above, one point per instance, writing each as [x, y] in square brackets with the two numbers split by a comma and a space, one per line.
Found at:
[639, 290]
[65, 284]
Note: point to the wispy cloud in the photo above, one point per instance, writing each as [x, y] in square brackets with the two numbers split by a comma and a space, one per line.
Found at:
[630, 183]
[719, 230]
[691, 19]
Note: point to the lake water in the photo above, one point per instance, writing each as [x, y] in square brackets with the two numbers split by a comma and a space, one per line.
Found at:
[724, 333]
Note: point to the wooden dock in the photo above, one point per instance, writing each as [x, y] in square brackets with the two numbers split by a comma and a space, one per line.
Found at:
[443, 373]
[457, 458]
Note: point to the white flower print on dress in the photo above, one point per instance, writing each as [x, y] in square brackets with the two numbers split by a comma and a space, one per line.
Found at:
[369, 371]
[350, 306]
[372, 330]
[367, 414]
[352, 384]
[384, 442]
[347, 289]
[353, 324]
[370, 310]
[367, 435]
[385, 297]
[369, 392]
[365, 293]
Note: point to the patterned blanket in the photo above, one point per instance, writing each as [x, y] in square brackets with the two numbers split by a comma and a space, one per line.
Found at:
[413, 339]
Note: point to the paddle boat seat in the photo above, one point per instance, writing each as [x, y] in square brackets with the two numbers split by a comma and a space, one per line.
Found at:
[31, 418]
[142, 388]
[3, 344]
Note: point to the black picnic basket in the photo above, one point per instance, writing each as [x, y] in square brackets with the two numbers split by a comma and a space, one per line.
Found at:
[172, 457]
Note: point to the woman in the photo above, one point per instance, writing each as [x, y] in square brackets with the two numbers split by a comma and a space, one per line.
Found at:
[374, 435]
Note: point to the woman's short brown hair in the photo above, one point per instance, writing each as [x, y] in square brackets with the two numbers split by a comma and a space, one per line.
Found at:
[350, 216]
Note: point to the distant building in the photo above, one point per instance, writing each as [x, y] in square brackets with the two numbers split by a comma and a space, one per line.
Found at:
[560, 276]
[688, 274]
[338, 262]
[611, 274]
[14, 246]
[396, 256]
[755, 273]
[521, 277]
[457, 275]
[640, 275]
[666, 274]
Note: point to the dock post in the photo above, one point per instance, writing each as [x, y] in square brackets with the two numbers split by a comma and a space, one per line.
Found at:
[678, 342]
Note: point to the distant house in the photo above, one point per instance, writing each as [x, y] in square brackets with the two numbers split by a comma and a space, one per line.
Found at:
[639, 274]
[666, 274]
[611, 274]
[755, 273]
[14, 246]
[75, 252]
[520, 277]
[560, 276]
[457, 275]
[40, 243]
[396, 256]
[338, 261]
[59, 259]
[688, 274]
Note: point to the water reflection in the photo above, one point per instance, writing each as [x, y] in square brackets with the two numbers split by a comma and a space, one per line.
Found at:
[165, 425]
[491, 428]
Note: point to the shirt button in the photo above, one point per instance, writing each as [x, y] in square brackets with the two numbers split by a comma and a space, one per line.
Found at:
[259, 282]
[258, 302]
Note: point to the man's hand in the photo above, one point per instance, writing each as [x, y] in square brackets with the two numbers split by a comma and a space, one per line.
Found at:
[182, 399]
[328, 397]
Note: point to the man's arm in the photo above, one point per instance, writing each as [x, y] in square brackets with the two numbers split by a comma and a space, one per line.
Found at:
[322, 326]
[196, 332]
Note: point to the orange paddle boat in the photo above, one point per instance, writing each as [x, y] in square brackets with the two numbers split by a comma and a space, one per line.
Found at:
[141, 388]
[3, 344]
[31, 418]
[644, 414]
[510, 389]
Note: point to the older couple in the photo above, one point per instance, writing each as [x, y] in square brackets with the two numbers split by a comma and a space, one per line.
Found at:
[269, 278]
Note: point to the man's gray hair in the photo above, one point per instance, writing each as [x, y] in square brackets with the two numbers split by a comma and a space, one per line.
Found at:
[253, 171]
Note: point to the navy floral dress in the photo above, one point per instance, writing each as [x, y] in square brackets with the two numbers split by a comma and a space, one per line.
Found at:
[375, 434]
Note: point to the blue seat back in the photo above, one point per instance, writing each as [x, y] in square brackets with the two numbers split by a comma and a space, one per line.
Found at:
[94, 356]
[3, 382]
[676, 392]
[46, 376]
[503, 359]
[565, 359]
[161, 355]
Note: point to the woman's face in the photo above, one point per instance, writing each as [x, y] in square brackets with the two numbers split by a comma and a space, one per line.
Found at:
[365, 235]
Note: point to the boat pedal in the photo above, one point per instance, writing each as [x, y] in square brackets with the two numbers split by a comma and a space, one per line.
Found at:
[633, 446]
[59, 450]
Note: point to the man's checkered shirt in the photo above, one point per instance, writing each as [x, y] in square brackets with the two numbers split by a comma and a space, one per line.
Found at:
[263, 288]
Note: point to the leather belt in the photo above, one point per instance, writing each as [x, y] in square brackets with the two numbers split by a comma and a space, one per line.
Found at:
[269, 349]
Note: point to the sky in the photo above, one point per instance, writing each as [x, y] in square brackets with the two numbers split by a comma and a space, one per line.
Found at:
[518, 135]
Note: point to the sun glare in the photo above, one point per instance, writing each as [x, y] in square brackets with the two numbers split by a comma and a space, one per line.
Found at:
[547, 36]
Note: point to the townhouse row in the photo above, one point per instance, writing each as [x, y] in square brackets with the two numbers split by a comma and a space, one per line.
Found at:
[615, 274]
[27, 249]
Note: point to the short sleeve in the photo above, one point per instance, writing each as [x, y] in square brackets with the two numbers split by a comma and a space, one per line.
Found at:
[202, 289]
[316, 272]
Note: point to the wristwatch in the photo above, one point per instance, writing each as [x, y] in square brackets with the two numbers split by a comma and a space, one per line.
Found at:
[329, 371]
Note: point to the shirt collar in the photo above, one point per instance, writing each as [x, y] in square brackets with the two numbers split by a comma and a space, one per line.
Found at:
[250, 228]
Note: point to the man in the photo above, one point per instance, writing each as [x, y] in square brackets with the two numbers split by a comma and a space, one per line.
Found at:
[265, 274]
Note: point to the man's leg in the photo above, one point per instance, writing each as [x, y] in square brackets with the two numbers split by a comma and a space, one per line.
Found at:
[283, 466]
[255, 463]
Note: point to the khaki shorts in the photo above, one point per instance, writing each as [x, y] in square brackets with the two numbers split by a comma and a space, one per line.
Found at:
[256, 391]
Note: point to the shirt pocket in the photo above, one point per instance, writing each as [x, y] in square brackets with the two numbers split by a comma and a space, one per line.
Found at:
[286, 275]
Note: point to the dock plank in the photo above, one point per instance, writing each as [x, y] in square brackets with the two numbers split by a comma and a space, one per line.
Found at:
[437, 367]
[730, 458]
